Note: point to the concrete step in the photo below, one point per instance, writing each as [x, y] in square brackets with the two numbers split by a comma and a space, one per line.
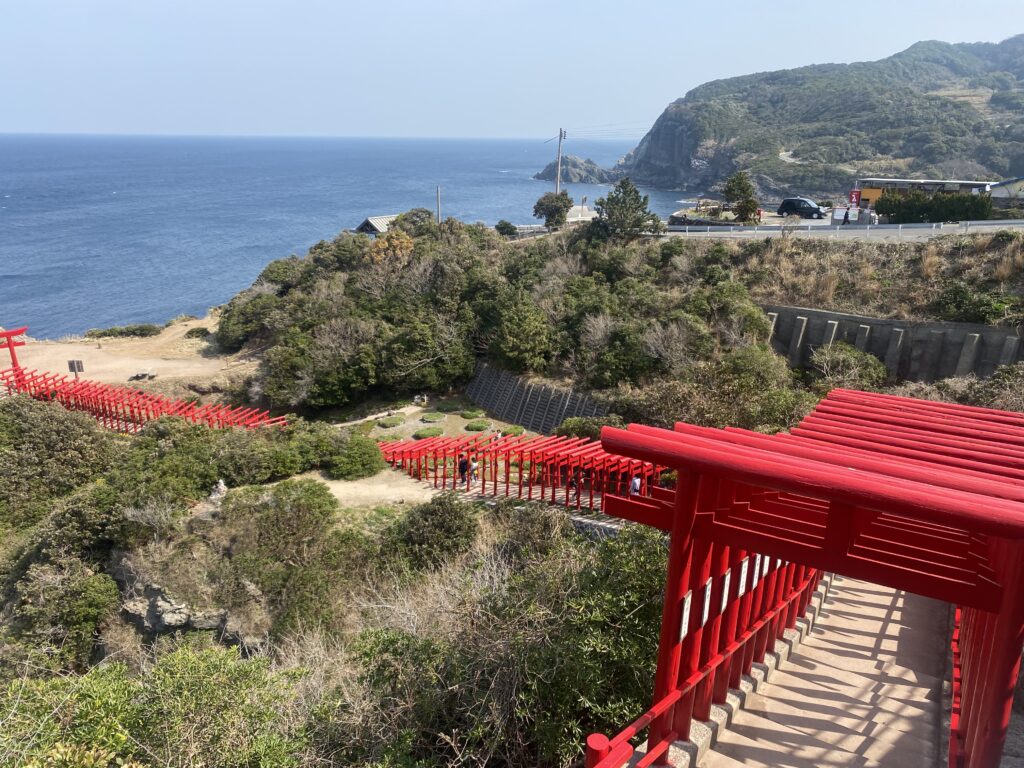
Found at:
[847, 688]
[828, 746]
[869, 737]
[926, 658]
[831, 675]
[811, 655]
[755, 741]
[862, 690]
[909, 717]
[718, 760]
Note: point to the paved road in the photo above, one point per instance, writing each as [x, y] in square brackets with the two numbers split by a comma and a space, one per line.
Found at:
[824, 229]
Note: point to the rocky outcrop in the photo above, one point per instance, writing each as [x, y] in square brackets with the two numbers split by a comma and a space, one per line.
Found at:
[154, 611]
[576, 170]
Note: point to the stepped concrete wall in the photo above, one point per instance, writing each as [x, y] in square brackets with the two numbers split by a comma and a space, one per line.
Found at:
[538, 407]
[915, 351]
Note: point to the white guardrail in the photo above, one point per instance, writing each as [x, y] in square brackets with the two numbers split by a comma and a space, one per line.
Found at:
[848, 230]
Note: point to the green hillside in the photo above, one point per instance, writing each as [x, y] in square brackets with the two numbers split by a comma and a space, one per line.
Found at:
[935, 109]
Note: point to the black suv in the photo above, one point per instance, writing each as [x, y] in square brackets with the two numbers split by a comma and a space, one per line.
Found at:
[802, 207]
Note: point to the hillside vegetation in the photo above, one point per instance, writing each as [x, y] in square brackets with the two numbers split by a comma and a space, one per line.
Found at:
[145, 622]
[935, 110]
[188, 596]
[413, 310]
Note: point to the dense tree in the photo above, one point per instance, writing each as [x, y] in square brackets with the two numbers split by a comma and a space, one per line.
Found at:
[739, 191]
[524, 335]
[505, 228]
[624, 213]
[418, 222]
[554, 209]
[738, 187]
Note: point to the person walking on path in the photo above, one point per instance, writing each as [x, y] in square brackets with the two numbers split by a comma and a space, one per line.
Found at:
[634, 486]
[574, 487]
[846, 216]
[473, 470]
[463, 468]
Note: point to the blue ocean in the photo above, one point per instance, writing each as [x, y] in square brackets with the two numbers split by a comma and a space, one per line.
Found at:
[102, 230]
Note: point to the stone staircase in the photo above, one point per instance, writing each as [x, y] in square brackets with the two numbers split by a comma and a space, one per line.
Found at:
[862, 689]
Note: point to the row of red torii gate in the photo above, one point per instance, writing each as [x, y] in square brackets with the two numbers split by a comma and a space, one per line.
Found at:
[916, 495]
[123, 409]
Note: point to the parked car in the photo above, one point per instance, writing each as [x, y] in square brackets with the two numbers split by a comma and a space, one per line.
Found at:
[802, 207]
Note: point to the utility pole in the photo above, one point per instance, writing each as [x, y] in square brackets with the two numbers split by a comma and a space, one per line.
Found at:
[558, 171]
[438, 204]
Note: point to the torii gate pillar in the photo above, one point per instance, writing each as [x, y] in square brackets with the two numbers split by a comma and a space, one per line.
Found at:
[7, 342]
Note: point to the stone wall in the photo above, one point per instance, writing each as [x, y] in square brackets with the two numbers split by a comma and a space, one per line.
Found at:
[924, 351]
[538, 407]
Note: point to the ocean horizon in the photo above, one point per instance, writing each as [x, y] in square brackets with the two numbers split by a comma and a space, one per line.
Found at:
[108, 230]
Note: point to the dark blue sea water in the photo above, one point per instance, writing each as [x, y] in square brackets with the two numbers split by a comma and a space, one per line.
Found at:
[98, 231]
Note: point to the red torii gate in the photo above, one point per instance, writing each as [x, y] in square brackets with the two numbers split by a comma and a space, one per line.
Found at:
[912, 494]
[572, 471]
[123, 409]
[7, 341]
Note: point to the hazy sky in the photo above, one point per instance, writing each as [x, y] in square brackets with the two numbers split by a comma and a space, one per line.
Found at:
[414, 68]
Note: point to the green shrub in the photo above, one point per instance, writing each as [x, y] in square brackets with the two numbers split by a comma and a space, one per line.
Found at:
[583, 691]
[916, 206]
[284, 540]
[841, 365]
[595, 606]
[315, 442]
[1006, 236]
[449, 406]
[198, 333]
[360, 458]
[425, 432]
[140, 329]
[59, 607]
[513, 430]
[46, 451]
[432, 417]
[62, 716]
[247, 457]
[588, 426]
[62, 755]
[960, 303]
[1004, 390]
[750, 387]
[472, 413]
[390, 421]
[479, 425]
[432, 533]
[193, 707]
[389, 438]
[170, 459]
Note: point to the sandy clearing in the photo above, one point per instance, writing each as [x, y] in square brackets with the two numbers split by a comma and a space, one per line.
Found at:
[114, 360]
[385, 488]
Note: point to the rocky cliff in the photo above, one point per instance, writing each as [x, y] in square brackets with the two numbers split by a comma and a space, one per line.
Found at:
[933, 110]
[576, 170]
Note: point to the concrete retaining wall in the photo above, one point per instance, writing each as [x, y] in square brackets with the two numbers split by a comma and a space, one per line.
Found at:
[911, 351]
[538, 407]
